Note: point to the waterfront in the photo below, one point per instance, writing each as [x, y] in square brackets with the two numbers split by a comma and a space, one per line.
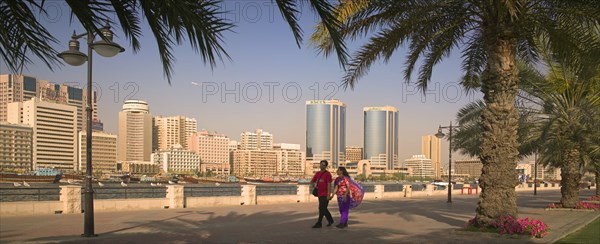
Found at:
[113, 190]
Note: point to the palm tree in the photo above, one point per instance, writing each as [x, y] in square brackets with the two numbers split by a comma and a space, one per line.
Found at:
[490, 35]
[559, 117]
[570, 117]
[172, 22]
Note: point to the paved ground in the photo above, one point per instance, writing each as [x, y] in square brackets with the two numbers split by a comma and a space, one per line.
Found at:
[415, 220]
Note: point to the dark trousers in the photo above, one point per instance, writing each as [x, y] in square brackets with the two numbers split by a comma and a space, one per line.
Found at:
[323, 211]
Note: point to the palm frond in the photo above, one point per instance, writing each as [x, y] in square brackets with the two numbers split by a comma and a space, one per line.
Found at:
[289, 9]
[21, 34]
[172, 21]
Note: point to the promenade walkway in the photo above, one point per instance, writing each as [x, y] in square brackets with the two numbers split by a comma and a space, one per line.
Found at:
[405, 220]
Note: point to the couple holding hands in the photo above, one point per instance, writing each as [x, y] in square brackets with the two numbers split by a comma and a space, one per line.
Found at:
[349, 194]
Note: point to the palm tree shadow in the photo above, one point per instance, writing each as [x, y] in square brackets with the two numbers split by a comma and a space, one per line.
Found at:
[233, 227]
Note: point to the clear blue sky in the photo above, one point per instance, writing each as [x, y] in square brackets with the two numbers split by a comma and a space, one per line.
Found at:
[264, 56]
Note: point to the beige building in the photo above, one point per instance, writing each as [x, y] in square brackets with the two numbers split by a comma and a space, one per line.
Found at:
[420, 166]
[135, 132]
[290, 160]
[285, 160]
[177, 159]
[139, 167]
[430, 147]
[213, 149]
[20, 88]
[469, 168]
[254, 163]
[54, 132]
[171, 131]
[543, 173]
[16, 147]
[104, 152]
[354, 154]
[258, 140]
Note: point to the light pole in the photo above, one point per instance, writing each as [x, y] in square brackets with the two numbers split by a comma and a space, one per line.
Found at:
[440, 135]
[535, 174]
[107, 48]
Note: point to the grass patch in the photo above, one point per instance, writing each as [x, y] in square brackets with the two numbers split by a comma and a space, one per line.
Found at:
[588, 234]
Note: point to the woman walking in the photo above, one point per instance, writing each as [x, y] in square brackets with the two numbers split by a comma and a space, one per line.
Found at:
[349, 195]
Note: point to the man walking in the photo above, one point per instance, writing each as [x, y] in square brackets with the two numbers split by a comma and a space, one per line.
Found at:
[322, 181]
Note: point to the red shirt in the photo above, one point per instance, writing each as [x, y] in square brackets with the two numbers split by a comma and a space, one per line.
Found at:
[324, 181]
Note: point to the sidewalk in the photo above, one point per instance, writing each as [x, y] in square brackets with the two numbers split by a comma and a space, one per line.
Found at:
[405, 220]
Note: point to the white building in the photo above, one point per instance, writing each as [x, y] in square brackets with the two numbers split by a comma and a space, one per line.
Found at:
[420, 166]
[54, 132]
[258, 140]
[135, 132]
[213, 148]
[177, 159]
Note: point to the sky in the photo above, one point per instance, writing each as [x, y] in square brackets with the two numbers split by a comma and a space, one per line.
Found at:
[264, 85]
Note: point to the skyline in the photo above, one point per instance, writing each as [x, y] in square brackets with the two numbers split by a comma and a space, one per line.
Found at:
[264, 55]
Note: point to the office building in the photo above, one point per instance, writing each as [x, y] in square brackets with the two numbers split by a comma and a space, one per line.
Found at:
[354, 154]
[16, 147]
[135, 132]
[54, 132]
[171, 131]
[20, 88]
[258, 140]
[430, 147]
[177, 159]
[213, 149]
[326, 132]
[381, 136]
[420, 166]
[104, 152]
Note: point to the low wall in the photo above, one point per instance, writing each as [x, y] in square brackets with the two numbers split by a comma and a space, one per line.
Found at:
[108, 205]
[277, 199]
[30, 208]
[192, 202]
[70, 199]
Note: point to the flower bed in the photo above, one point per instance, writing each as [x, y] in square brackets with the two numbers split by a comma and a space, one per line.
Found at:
[582, 205]
[508, 225]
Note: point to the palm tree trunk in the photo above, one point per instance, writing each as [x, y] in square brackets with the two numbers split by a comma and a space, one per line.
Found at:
[570, 177]
[499, 123]
[597, 180]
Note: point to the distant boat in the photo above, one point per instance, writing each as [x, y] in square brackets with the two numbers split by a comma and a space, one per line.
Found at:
[12, 177]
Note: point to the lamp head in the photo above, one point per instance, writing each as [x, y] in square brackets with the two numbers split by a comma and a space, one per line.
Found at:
[73, 56]
[440, 134]
[106, 47]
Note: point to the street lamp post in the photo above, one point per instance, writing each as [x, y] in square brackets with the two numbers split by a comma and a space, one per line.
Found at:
[440, 135]
[107, 48]
[535, 174]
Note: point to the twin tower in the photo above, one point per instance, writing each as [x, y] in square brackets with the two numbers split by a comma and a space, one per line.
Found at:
[326, 133]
